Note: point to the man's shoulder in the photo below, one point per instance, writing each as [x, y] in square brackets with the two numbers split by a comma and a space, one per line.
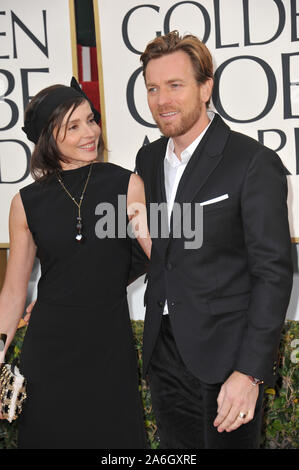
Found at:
[149, 156]
[249, 150]
[248, 145]
[154, 148]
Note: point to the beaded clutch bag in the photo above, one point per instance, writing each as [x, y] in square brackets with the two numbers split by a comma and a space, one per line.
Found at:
[12, 391]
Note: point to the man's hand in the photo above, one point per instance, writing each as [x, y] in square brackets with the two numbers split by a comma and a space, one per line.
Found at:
[237, 395]
[28, 311]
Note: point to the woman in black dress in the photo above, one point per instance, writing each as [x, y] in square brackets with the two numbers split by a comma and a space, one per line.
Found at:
[78, 354]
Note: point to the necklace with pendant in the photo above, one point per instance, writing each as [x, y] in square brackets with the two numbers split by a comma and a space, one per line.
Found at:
[79, 236]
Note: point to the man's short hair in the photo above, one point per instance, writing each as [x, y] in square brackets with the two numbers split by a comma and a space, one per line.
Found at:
[198, 52]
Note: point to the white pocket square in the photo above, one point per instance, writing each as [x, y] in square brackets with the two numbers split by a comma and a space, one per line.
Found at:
[215, 199]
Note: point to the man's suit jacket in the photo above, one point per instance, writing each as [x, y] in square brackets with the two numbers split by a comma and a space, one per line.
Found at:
[227, 300]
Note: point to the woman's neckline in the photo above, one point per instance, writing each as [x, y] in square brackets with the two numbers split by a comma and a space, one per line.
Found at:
[77, 170]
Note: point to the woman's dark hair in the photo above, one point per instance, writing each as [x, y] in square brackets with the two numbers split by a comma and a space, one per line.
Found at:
[46, 158]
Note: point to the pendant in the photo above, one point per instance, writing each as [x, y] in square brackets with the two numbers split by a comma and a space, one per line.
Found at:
[79, 236]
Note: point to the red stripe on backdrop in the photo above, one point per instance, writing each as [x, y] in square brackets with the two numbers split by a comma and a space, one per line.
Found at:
[91, 89]
[93, 64]
[80, 65]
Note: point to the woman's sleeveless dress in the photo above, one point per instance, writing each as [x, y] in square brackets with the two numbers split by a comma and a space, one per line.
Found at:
[78, 354]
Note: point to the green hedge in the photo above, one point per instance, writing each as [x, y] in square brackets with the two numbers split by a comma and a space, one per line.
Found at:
[281, 404]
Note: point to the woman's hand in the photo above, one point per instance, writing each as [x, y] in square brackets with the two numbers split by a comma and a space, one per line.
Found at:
[1, 415]
[29, 311]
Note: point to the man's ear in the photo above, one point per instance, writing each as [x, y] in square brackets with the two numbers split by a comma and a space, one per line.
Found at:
[206, 89]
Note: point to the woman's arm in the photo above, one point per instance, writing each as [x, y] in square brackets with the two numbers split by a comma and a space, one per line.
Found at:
[137, 213]
[21, 258]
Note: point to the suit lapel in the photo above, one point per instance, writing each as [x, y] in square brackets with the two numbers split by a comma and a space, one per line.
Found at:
[203, 162]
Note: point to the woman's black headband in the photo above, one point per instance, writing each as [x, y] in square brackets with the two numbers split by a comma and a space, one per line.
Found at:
[35, 123]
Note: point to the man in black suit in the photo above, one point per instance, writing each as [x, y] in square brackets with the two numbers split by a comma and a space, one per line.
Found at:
[213, 314]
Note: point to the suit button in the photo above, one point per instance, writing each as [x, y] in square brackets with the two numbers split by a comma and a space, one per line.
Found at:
[169, 266]
[160, 303]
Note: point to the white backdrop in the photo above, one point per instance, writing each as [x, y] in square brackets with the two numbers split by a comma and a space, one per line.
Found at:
[35, 52]
[255, 47]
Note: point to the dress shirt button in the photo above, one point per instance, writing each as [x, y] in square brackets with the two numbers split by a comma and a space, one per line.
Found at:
[169, 266]
[172, 304]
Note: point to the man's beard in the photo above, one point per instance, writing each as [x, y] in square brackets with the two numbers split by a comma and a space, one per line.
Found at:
[183, 126]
